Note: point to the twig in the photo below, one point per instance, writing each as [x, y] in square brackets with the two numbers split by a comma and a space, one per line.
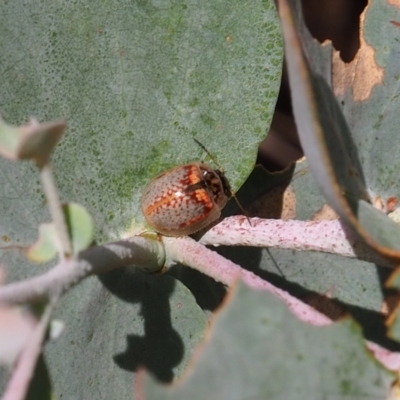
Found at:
[222, 270]
[326, 236]
[21, 377]
[142, 252]
[56, 211]
[323, 236]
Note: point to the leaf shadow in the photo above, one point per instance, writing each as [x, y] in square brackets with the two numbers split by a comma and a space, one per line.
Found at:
[161, 348]
[372, 322]
[207, 292]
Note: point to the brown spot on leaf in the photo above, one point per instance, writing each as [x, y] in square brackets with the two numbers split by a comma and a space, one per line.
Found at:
[362, 74]
[388, 206]
[391, 203]
[326, 213]
[395, 3]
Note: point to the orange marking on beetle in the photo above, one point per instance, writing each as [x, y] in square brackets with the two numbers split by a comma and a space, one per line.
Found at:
[202, 196]
[164, 200]
[193, 176]
[184, 199]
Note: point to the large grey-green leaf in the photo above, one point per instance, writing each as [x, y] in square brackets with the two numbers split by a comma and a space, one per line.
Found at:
[257, 349]
[146, 321]
[330, 145]
[370, 100]
[352, 283]
[134, 81]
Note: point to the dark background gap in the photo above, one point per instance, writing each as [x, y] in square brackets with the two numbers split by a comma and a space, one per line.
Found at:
[334, 20]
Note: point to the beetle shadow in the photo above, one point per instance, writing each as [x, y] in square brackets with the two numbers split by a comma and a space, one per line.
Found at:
[161, 348]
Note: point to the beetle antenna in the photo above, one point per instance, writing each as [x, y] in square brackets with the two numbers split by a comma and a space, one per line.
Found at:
[233, 194]
[209, 154]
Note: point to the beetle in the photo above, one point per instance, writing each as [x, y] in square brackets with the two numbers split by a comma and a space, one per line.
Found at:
[185, 199]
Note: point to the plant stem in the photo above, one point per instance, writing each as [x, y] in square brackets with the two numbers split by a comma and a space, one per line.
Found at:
[56, 211]
[22, 375]
[141, 252]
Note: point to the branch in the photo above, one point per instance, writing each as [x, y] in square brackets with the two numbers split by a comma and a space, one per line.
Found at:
[140, 251]
[323, 236]
[150, 254]
[56, 211]
[147, 253]
[225, 271]
[21, 377]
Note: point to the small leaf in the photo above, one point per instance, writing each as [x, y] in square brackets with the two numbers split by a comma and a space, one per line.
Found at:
[46, 247]
[80, 226]
[33, 141]
[39, 140]
[80, 229]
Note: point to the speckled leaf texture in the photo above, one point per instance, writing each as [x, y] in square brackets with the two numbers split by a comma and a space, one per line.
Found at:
[357, 285]
[257, 349]
[368, 90]
[135, 81]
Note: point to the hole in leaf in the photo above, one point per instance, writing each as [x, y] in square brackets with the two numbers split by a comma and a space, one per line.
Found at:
[336, 20]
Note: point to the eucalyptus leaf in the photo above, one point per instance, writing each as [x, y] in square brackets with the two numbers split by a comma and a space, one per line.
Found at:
[80, 226]
[274, 355]
[135, 82]
[46, 246]
[330, 145]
